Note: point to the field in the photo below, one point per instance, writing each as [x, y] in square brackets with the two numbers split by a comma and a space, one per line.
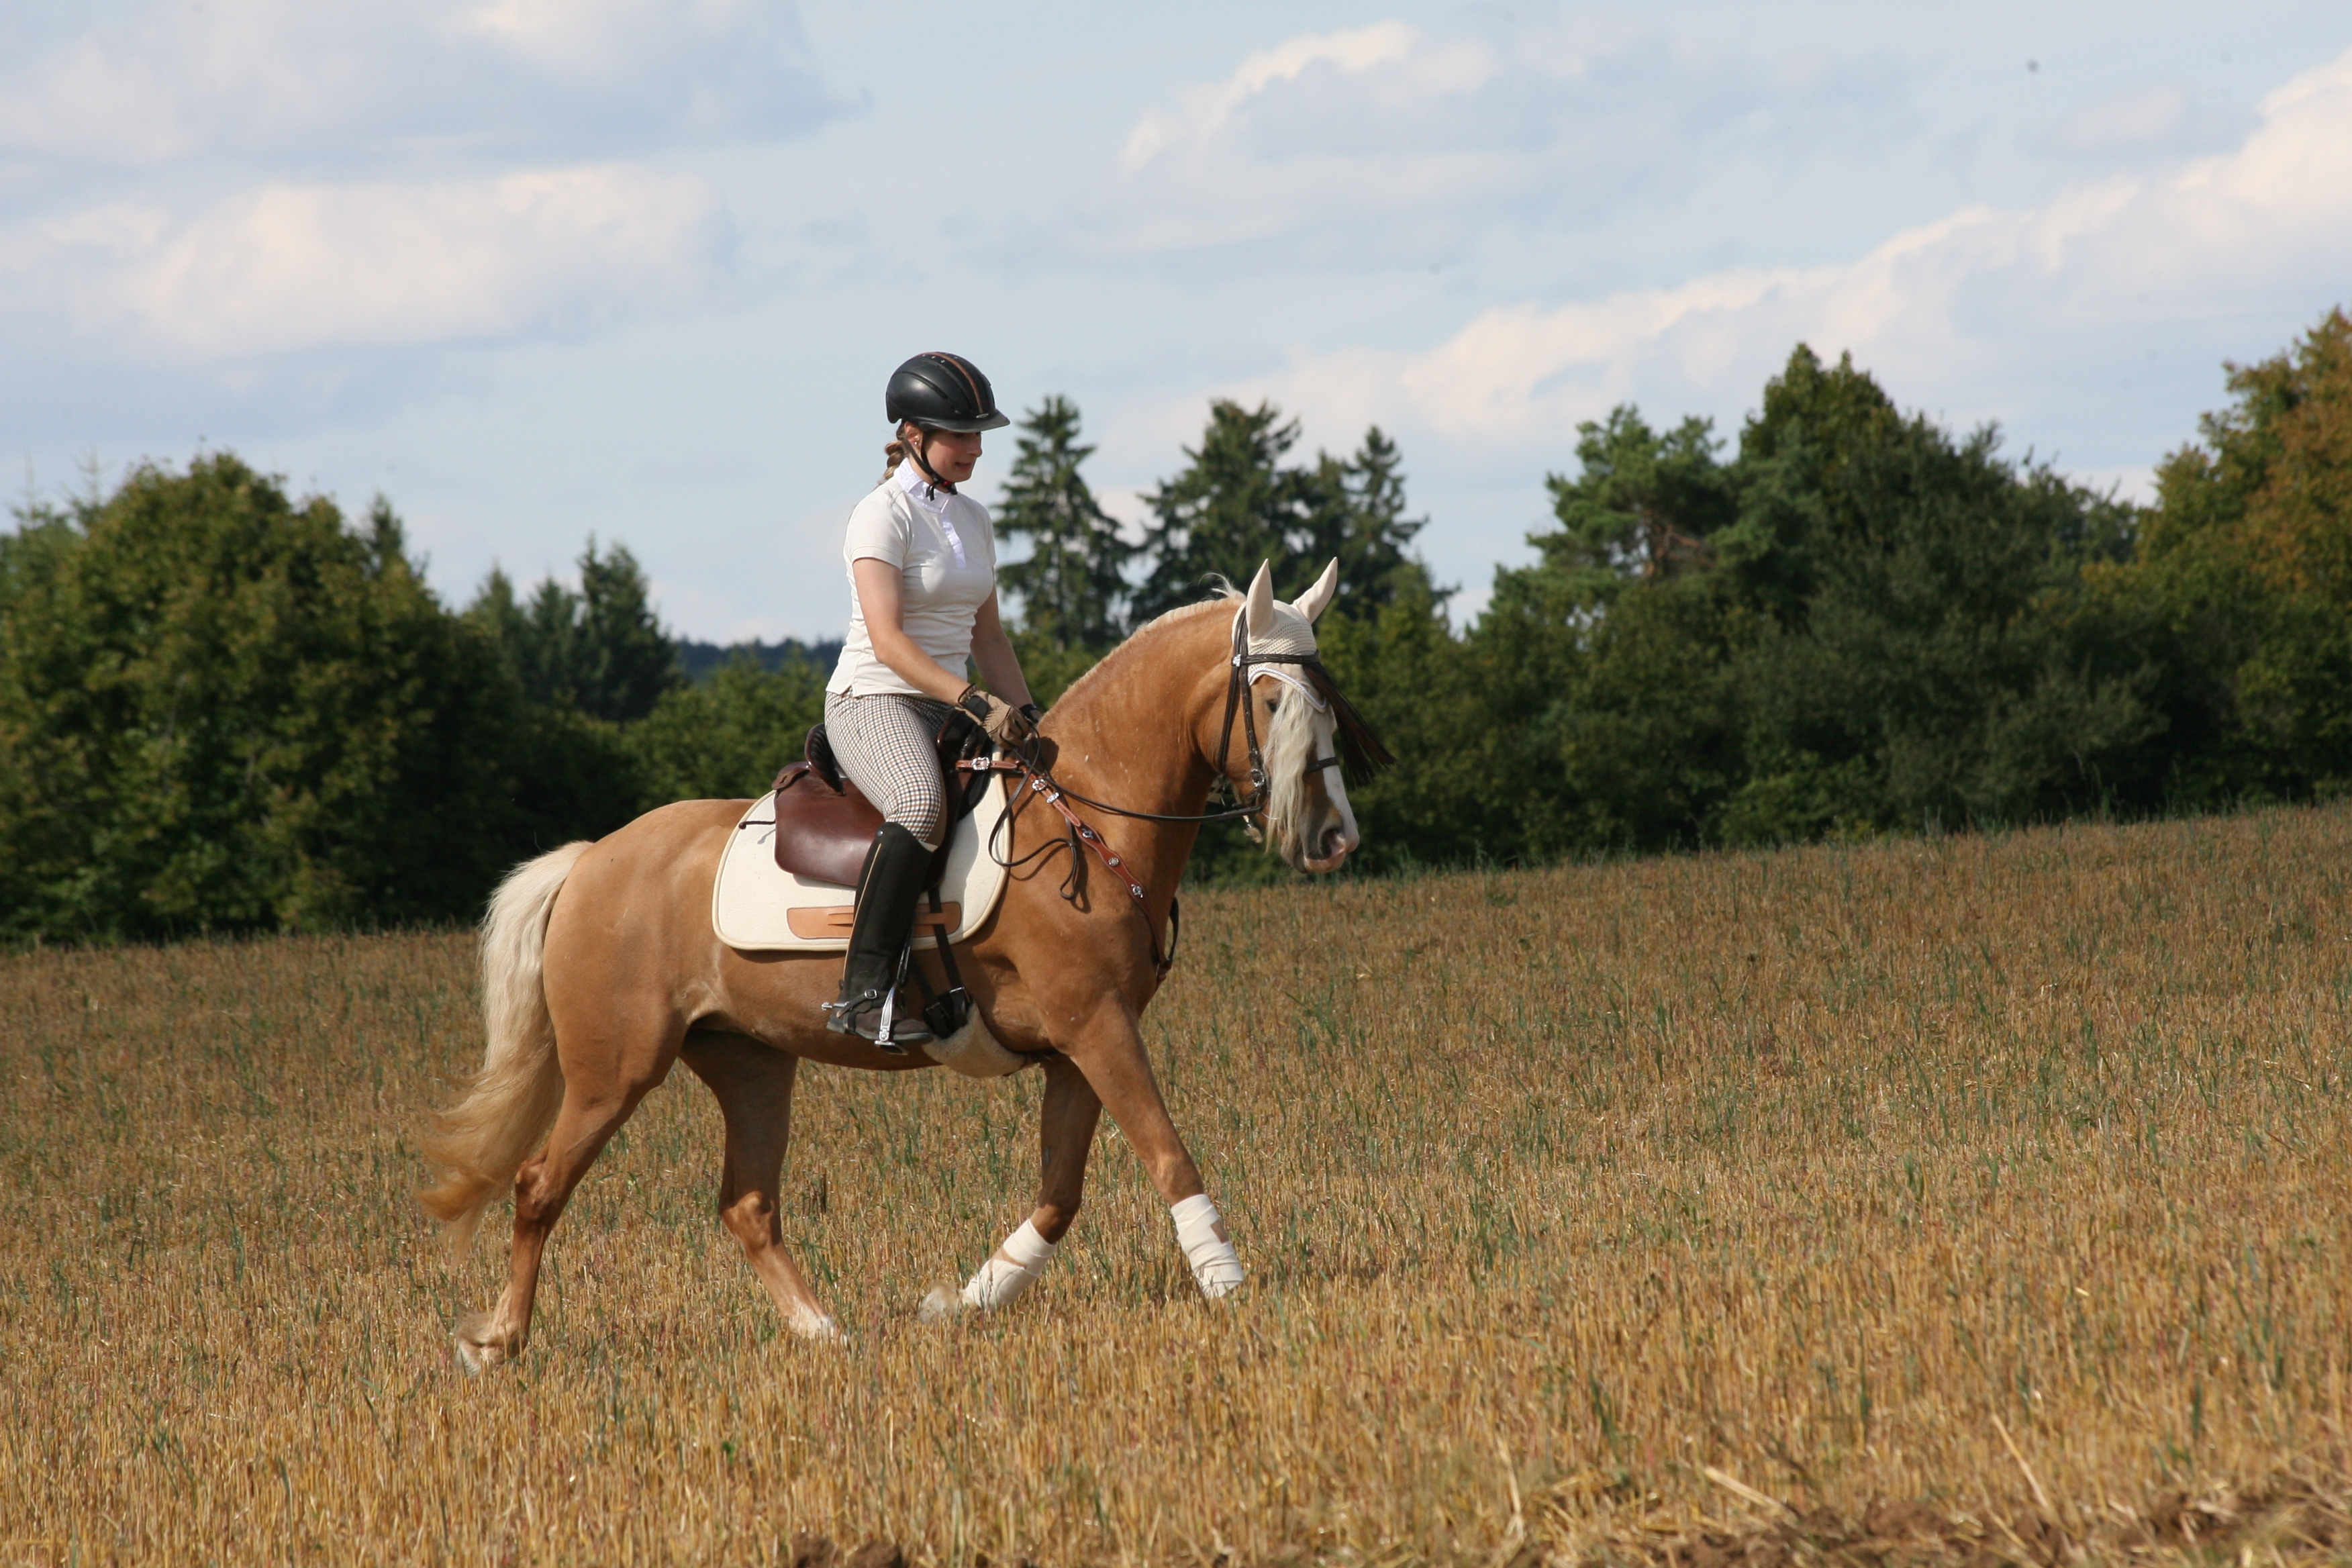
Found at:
[1971, 1197]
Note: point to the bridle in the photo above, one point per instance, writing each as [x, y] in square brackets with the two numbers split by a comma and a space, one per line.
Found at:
[1365, 756]
[1236, 688]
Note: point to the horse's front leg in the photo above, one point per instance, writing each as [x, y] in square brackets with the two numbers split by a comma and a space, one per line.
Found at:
[1065, 1129]
[1107, 1047]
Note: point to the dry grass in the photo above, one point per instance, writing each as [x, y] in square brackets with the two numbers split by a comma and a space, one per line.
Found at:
[1820, 1170]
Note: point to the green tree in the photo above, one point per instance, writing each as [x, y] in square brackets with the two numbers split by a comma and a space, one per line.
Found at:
[1072, 583]
[601, 650]
[1236, 503]
[1233, 506]
[1861, 621]
[725, 738]
[222, 709]
[1417, 685]
[1359, 518]
[503, 623]
[567, 772]
[625, 660]
[1644, 504]
[2246, 564]
[1928, 655]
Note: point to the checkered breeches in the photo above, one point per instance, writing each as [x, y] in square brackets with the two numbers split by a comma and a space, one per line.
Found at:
[884, 743]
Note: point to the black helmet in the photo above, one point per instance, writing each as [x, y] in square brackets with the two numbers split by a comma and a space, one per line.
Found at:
[943, 392]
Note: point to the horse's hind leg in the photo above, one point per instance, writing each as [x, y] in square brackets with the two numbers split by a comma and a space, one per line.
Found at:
[592, 1111]
[754, 1085]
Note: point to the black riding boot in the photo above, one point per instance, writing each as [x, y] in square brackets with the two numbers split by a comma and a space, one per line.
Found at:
[896, 870]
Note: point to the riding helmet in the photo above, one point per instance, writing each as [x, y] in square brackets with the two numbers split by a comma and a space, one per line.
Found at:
[943, 392]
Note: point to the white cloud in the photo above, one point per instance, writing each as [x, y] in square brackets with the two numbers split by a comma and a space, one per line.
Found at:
[2161, 118]
[1378, 141]
[243, 179]
[173, 81]
[289, 269]
[1203, 112]
[1982, 310]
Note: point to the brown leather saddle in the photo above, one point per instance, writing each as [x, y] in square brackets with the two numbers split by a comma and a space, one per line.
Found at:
[824, 824]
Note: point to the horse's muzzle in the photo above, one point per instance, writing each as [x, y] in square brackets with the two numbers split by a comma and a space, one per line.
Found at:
[1337, 844]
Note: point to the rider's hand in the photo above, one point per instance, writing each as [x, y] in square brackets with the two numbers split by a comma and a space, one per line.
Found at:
[1004, 725]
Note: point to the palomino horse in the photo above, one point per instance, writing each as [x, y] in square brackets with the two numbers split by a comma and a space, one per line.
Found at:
[600, 968]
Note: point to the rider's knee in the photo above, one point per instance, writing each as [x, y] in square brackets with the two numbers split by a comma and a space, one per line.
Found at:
[922, 813]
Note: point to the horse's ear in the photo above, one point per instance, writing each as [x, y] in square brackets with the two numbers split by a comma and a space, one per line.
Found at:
[1261, 600]
[1317, 599]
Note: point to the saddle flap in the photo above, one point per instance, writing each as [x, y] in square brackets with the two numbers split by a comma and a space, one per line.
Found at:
[821, 836]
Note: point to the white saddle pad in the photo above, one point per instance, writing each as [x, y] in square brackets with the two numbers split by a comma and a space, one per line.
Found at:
[759, 908]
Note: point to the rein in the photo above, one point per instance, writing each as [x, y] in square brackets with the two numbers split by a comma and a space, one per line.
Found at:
[1363, 753]
[1081, 833]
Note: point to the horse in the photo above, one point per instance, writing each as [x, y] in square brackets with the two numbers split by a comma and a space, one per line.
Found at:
[600, 970]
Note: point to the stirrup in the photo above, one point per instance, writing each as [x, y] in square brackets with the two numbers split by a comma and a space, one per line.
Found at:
[864, 1016]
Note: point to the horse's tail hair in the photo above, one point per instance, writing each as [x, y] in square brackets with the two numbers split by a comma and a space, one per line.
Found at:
[506, 1106]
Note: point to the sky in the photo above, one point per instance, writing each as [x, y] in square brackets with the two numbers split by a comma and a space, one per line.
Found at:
[541, 270]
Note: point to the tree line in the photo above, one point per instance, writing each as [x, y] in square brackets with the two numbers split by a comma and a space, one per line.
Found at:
[222, 707]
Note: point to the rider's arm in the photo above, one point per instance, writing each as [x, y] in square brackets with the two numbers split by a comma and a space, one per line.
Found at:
[880, 601]
[1000, 667]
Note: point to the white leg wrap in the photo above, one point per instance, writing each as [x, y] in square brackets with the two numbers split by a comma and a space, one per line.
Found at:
[1017, 1265]
[1200, 1232]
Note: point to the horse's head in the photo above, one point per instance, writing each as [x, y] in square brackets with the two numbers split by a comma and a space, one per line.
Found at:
[1282, 690]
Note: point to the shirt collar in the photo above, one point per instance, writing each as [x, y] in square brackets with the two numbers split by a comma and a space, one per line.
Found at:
[912, 480]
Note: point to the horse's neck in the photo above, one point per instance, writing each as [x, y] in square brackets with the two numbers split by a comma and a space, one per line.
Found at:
[1127, 734]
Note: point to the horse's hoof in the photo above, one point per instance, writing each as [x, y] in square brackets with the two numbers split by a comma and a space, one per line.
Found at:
[818, 1328]
[477, 1352]
[474, 1359]
[941, 1306]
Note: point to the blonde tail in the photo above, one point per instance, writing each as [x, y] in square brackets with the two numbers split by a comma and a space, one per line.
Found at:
[507, 1106]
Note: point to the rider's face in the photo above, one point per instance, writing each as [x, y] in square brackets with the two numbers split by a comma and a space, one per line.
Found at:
[952, 454]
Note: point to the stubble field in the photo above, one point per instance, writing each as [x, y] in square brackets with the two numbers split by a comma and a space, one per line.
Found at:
[1978, 1198]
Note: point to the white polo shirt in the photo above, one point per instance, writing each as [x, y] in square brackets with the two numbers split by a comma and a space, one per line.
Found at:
[945, 552]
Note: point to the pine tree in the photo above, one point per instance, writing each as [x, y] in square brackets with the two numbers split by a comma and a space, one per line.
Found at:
[501, 621]
[1071, 586]
[1360, 518]
[1237, 504]
[625, 661]
[601, 650]
[1646, 504]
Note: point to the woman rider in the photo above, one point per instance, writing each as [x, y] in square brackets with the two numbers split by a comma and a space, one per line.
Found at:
[922, 600]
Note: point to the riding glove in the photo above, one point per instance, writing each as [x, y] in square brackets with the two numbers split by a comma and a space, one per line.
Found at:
[1003, 723]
